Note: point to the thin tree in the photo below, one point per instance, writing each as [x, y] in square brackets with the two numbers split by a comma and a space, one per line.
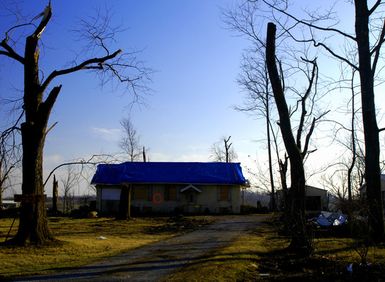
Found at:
[144, 154]
[255, 81]
[8, 162]
[39, 98]
[68, 183]
[246, 20]
[55, 194]
[225, 152]
[297, 149]
[299, 241]
[130, 142]
[10, 157]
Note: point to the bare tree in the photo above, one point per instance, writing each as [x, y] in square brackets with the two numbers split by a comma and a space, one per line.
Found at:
[365, 45]
[255, 81]
[55, 194]
[39, 98]
[223, 154]
[69, 181]
[130, 142]
[246, 20]
[144, 154]
[10, 156]
[353, 165]
[299, 239]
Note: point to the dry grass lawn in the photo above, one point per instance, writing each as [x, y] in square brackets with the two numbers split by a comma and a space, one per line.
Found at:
[260, 255]
[256, 255]
[81, 241]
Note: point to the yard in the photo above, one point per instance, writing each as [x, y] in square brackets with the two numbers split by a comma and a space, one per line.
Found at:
[83, 241]
[260, 255]
[255, 254]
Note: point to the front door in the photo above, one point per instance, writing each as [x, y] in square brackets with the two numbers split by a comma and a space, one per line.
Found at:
[191, 197]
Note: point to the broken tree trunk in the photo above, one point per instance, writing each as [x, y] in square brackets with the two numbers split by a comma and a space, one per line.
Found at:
[300, 241]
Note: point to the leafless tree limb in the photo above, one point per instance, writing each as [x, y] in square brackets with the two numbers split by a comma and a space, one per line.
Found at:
[130, 143]
[93, 161]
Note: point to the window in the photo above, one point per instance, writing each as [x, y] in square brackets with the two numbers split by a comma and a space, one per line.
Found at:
[224, 193]
[141, 192]
[170, 193]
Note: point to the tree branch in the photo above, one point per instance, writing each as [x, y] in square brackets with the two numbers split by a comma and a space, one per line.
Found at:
[51, 127]
[9, 130]
[376, 50]
[329, 29]
[375, 6]
[90, 161]
[50, 101]
[303, 100]
[47, 14]
[309, 134]
[95, 63]
[10, 52]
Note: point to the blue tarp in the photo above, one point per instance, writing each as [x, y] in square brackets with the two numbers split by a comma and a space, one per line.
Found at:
[169, 172]
[330, 219]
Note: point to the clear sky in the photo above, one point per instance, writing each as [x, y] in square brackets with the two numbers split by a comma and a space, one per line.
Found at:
[195, 59]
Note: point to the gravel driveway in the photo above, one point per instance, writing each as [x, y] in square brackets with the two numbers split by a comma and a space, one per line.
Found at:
[155, 261]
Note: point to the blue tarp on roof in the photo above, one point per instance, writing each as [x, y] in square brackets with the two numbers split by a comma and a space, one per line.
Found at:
[169, 172]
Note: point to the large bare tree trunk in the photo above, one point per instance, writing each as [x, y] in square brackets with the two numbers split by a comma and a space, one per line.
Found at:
[371, 132]
[39, 99]
[299, 239]
[33, 226]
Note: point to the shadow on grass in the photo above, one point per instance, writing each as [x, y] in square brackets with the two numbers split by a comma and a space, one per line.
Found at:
[282, 265]
[145, 266]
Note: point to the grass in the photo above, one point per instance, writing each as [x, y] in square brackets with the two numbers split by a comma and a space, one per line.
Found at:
[82, 241]
[256, 255]
[261, 255]
[235, 262]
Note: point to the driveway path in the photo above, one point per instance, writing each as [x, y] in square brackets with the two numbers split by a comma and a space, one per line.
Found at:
[152, 262]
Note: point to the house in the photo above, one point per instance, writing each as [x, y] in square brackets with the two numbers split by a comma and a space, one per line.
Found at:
[317, 199]
[167, 187]
[9, 204]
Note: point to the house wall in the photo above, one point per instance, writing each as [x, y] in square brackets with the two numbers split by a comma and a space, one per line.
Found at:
[107, 199]
[155, 199]
[316, 199]
[322, 194]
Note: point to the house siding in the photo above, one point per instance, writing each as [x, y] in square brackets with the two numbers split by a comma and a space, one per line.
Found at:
[317, 199]
[189, 201]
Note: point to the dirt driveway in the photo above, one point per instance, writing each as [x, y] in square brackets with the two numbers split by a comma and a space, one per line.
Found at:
[155, 261]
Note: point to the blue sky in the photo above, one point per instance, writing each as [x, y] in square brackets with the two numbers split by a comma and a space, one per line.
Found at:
[195, 62]
[195, 59]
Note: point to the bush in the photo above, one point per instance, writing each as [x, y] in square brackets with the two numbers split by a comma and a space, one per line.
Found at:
[81, 212]
[247, 209]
